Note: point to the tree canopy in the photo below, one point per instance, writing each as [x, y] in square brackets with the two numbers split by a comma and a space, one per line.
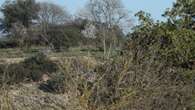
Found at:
[19, 11]
[182, 13]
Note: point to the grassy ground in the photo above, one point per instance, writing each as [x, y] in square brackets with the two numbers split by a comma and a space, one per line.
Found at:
[14, 55]
[28, 97]
[17, 52]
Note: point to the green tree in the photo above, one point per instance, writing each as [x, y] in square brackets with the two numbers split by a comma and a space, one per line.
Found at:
[19, 11]
[182, 14]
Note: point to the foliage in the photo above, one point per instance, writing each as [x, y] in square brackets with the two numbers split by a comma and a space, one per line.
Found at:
[182, 14]
[32, 69]
[162, 42]
[19, 11]
[39, 65]
[62, 37]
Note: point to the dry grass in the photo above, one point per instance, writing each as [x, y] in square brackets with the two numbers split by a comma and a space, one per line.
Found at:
[117, 84]
[28, 97]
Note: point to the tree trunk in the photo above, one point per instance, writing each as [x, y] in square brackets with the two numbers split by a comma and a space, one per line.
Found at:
[109, 51]
[104, 44]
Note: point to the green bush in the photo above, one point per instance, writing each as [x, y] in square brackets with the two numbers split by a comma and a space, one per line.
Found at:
[8, 43]
[183, 42]
[12, 74]
[39, 65]
[63, 37]
[15, 73]
[160, 42]
[32, 69]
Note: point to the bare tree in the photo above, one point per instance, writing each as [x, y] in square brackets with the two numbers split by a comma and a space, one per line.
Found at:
[107, 14]
[52, 14]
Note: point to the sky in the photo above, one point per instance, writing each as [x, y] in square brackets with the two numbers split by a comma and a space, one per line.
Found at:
[155, 7]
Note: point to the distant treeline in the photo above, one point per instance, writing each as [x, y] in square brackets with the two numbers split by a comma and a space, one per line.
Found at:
[30, 23]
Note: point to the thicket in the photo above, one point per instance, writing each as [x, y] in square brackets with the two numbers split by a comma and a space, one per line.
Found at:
[63, 37]
[162, 41]
[38, 65]
[155, 71]
[124, 84]
[31, 69]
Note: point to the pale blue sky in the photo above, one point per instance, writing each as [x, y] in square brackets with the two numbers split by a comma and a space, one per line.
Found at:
[155, 7]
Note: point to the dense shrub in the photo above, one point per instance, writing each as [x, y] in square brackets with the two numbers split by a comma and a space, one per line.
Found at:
[122, 84]
[8, 43]
[32, 69]
[155, 52]
[150, 85]
[163, 43]
[106, 91]
[75, 73]
[15, 73]
[62, 37]
[39, 65]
